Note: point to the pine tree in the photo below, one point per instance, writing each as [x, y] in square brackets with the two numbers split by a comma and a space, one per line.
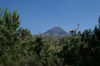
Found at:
[73, 32]
[11, 44]
[11, 20]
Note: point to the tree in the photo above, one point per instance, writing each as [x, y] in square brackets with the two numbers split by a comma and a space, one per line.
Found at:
[11, 20]
[11, 44]
[73, 32]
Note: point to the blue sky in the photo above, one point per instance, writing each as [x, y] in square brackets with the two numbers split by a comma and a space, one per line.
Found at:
[46, 14]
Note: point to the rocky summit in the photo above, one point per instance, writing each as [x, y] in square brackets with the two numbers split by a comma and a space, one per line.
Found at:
[57, 32]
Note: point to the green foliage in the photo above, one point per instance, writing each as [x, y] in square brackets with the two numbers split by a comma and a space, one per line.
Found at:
[73, 32]
[12, 53]
[37, 45]
[11, 20]
[71, 51]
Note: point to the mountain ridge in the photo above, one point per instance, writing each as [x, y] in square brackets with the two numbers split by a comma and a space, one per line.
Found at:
[57, 32]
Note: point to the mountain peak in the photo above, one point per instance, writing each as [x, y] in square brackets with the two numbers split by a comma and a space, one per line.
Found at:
[57, 31]
[57, 27]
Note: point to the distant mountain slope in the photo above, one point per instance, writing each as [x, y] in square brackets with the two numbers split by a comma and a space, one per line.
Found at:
[57, 31]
